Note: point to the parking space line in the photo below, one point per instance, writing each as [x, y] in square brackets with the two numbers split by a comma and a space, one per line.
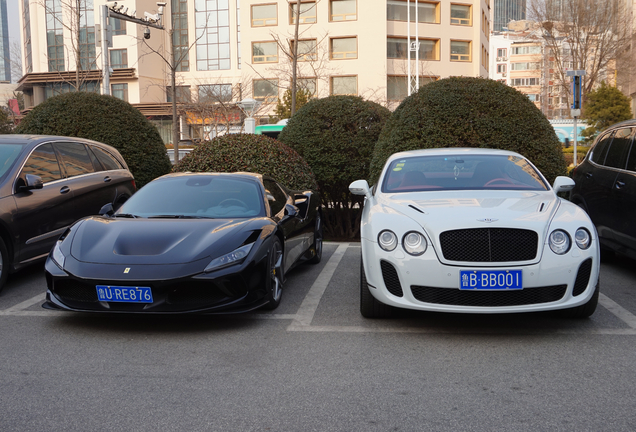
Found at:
[24, 305]
[620, 312]
[308, 307]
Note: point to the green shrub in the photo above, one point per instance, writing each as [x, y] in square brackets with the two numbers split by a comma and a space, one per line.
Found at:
[470, 112]
[336, 136]
[251, 153]
[105, 119]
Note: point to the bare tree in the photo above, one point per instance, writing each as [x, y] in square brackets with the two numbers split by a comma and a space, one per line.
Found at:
[582, 35]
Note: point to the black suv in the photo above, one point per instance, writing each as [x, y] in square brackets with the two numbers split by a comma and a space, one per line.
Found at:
[46, 184]
[606, 187]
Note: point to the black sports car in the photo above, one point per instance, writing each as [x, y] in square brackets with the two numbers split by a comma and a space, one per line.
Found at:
[203, 243]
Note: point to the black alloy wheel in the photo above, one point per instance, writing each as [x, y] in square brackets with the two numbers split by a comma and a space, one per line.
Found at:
[318, 233]
[275, 276]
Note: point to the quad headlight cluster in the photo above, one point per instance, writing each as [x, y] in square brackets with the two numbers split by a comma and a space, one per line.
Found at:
[413, 242]
[560, 241]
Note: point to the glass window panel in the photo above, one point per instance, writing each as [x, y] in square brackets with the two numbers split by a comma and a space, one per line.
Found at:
[75, 158]
[397, 87]
[344, 85]
[460, 14]
[43, 163]
[343, 10]
[264, 15]
[344, 48]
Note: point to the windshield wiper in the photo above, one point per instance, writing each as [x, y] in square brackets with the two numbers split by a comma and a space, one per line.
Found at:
[125, 215]
[177, 217]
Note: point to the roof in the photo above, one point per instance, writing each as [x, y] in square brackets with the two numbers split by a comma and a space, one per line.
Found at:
[446, 151]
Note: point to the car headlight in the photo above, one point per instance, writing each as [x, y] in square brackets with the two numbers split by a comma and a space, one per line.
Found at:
[387, 240]
[583, 238]
[237, 256]
[57, 256]
[559, 242]
[414, 243]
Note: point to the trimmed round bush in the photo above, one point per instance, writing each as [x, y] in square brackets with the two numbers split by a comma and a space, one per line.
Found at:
[251, 153]
[105, 119]
[470, 112]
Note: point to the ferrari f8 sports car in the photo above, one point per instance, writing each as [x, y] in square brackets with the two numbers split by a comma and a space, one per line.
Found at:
[201, 243]
[475, 231]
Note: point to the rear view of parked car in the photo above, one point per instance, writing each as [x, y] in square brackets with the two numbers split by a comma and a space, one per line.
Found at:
[46, 184]
[606, 187]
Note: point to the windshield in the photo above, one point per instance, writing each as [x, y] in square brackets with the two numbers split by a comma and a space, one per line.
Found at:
[8, 155]
[202, 196]
[474, 172]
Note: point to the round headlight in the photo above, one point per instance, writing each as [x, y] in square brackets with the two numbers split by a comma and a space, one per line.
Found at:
[582, 238]
[414, 243]
[559, 242]
[387, 240]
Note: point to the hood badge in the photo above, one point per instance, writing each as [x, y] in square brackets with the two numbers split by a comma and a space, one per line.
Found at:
[126, 270]
[487, 220]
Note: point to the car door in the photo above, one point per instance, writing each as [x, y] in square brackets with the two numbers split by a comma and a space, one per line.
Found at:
[625, 196]
[277, 199]
[118, 179]
[90, 186]
[41, 215]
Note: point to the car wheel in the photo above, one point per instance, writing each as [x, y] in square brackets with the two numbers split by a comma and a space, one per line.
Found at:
[275, 277]
[317, 241]
[4, 264]
[585, 310]
[369, 306]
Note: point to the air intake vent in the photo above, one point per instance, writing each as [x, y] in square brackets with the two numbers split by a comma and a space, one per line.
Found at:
[456, 297]
[582, 277]
[391, 279]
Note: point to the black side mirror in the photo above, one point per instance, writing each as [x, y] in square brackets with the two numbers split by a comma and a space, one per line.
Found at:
[291, 210]
[107, 210]
[33, 182]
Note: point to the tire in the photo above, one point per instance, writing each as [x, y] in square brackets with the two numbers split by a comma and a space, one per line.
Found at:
[585, 310]
[369, 306]
[317, 246]
[4, 264]
[274, 277]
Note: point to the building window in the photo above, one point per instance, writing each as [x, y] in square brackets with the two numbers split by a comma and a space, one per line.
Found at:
[461, 14]
[308, 84]
[264, 52]
[397, 87]
[87, 36]
[524, 66]
[183, 94]
[502, 68]
[342, 10]
[212, 20]
[119, 59]
[397, 48]
[344, 48]
[344, 85]
[54, 36]
[521, 82]
[181, 46]
[533, 97]
[501, 52]
[460, 51]
[54, 89]
[264, 15]
[265, 90]
[306, 49]
[307, 13]
[120, 91]
[214, 93]
[535, 49]
[118, 26]
[427, 12]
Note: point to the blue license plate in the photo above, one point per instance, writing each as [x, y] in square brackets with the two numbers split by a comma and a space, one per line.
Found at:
[490, 280]
[124, 294]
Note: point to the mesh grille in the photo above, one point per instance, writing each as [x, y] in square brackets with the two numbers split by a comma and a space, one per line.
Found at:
[391, 279]
[75, 291]
[582, 277]
[489, 244]
[457, 297]
[203, 294]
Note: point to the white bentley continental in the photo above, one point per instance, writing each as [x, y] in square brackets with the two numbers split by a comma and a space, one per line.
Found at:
[474, 231]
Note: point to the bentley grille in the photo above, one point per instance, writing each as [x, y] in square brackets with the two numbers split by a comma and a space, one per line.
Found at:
[489, 244]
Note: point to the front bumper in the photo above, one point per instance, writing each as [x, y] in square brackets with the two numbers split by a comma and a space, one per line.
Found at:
[235, 289]
[424, 283]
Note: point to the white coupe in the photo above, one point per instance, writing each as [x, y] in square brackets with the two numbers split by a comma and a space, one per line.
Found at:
[474, 231]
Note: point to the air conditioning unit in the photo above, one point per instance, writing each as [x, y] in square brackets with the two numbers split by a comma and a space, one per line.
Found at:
[498, 58]
[504, 74]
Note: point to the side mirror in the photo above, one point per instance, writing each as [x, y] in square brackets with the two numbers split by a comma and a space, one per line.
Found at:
[33, 182]
[360, 187]
[107, 210]
[291, 210]
[563, 184]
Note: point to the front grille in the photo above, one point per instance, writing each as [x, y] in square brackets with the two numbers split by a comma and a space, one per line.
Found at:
[75, 291]
[457, 297]
[489, 245]
[391, 279]
[582, 277]
[205, 294]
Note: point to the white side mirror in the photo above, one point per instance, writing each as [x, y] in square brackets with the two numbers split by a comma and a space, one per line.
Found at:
[563, 184]
[360, 187]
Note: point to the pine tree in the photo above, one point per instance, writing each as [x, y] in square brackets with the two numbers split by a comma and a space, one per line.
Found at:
[283, 109]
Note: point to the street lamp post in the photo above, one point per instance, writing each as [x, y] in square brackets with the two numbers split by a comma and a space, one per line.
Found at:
[249, 107]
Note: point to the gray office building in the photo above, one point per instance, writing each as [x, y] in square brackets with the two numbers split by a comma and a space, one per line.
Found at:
[506, 11]
[5, 62]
